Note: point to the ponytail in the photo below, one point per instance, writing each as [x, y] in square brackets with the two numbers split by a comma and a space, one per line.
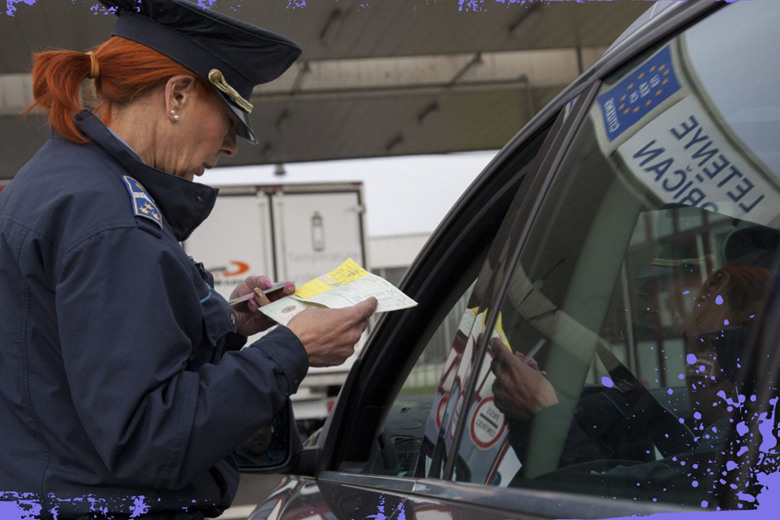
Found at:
[122, 70]
[57, 79]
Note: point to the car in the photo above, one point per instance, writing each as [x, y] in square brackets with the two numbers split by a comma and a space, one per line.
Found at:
[622, 247]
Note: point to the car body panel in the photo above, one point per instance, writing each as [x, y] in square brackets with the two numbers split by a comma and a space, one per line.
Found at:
[442, 451]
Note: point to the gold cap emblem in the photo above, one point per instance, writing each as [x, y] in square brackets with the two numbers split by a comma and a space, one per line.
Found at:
[218, 80]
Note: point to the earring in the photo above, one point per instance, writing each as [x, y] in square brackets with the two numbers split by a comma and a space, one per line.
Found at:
[174, 115]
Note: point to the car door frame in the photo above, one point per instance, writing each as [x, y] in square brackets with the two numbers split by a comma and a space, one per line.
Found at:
[358, 410]
[524, 210]
[484, 204]
[334, 442]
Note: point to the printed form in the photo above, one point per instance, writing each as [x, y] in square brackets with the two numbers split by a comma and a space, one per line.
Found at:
[347, 285]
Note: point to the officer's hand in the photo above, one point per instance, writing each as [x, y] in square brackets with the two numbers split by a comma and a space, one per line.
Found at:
[250, 320]
[329, 335]
[520, 389]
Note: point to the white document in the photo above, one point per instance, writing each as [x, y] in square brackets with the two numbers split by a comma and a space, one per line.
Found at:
[345, 286]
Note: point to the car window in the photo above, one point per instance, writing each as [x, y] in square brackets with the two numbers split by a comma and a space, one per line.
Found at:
[469, 316]
[615, 363]
[399, 442]
[434, 355]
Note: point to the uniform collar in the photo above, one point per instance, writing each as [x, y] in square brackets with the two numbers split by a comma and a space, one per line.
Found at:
[184, 204]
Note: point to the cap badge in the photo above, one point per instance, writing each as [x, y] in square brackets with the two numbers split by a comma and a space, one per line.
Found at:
[143, 205]
[218, 80]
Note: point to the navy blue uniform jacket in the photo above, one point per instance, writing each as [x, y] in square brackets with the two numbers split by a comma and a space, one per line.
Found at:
[114, 390]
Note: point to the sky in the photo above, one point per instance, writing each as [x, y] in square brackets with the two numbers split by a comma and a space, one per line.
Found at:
[403, 195]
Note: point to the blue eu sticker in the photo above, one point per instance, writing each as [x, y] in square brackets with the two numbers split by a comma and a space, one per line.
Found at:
[637, 94]
[143, 205]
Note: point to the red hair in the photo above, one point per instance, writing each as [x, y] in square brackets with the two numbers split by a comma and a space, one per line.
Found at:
[128, 70]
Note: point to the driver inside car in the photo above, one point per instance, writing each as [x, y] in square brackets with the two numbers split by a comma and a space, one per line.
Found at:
[623, 422]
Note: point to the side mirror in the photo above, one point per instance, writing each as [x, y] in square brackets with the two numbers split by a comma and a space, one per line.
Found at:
[274, 448]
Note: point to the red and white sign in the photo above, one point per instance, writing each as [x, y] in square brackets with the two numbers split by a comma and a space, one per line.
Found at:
[487, 424]
[440, 410]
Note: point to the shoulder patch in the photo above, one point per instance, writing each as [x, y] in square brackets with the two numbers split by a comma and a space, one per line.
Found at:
[143, 205]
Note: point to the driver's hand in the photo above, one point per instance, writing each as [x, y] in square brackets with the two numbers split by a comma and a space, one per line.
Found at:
[520, 389]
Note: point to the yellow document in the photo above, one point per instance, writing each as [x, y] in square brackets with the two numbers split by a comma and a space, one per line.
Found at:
[345, 286]
[343, 274]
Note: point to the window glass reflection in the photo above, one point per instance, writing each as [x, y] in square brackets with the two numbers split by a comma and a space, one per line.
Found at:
[616, 366]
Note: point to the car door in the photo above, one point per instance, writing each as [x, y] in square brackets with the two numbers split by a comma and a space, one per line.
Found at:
[364, 459]
[625, 364]
[595, 278]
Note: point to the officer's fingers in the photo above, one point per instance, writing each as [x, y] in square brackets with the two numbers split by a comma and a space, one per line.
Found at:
[355, 319]
[367, 307]
[258, 299]
[321, 328]
[249, 285]
[257, 281]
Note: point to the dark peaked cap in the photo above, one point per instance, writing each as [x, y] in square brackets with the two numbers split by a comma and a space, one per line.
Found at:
[205, 41]
[753, 245]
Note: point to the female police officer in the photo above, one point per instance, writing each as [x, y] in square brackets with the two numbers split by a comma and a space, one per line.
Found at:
[122, 388]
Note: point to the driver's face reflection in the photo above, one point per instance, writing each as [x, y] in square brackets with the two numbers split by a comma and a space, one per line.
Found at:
[727, 301]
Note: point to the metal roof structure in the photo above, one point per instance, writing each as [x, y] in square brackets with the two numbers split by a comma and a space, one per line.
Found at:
[376, 78]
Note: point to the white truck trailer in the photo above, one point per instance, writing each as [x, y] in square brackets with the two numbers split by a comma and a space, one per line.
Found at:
[293, 232]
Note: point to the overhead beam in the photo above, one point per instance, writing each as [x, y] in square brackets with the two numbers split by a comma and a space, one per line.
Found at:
[543, 68]
[380, 76]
